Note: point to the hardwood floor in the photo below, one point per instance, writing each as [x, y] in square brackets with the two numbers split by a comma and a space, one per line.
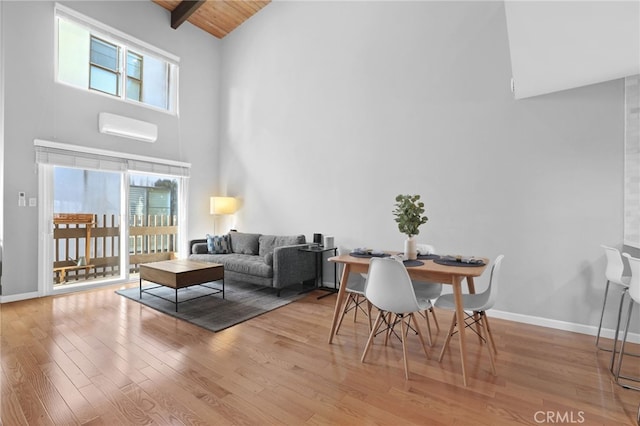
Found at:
[96, 358]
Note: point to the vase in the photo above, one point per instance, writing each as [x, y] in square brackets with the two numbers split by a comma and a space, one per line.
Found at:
[410, 249]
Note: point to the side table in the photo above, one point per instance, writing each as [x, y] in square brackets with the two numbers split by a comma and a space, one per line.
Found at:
[319, 252]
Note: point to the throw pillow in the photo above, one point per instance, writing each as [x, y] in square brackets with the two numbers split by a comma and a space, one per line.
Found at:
[199, 248]
[218, 244]
[244, 243]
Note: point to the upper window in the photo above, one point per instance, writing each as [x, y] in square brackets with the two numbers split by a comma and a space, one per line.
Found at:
[104, 72]
[95, 57]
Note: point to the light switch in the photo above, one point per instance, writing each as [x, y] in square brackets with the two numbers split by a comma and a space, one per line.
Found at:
[33, 201]
[22, 201]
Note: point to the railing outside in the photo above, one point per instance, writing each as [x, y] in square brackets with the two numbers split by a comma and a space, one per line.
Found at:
[152, 239]
[87, 246]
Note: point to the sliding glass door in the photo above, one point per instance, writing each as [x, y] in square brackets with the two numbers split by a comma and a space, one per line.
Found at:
[87, 231]
[102, 213]
[153, 218]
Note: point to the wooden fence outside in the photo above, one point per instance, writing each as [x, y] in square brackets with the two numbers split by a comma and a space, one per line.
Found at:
[87, 246]
[152, 239]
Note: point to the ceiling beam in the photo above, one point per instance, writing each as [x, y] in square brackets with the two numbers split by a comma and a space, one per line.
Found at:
[182, 12]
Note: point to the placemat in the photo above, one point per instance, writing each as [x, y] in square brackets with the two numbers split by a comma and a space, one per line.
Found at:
[369, 255]
[409, 263]
[425, 256]
[428, 256]
[456, 263]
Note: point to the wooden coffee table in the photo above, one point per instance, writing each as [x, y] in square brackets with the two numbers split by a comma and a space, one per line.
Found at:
[181, 273]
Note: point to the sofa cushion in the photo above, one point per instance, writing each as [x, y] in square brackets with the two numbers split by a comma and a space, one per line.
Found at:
[269, 242]
[218, 244]
[243, 243]
[240, 263]
[248, 264]
[199, 248]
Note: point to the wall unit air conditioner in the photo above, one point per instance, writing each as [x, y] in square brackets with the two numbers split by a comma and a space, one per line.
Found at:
[117, 125]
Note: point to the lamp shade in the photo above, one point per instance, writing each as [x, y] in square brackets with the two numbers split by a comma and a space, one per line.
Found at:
[222, 205]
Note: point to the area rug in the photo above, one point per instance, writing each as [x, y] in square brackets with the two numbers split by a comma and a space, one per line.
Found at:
[241, 302]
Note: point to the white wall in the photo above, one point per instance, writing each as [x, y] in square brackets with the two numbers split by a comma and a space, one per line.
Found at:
[559, 45]
[2, 154]
[37, 107]
[333, 108]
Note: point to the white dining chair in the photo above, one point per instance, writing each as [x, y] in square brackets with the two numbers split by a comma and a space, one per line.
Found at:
[388, 288]
[614, 274]
[428, 291]
[478, 304]
[634, 298]
[355, 300]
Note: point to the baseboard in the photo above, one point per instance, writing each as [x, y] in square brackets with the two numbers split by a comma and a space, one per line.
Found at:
[69, 288]
[561, 325]
[18, 297]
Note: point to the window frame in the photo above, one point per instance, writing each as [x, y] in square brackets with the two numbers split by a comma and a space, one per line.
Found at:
[126, 44]
[127, 77]
[116, 71]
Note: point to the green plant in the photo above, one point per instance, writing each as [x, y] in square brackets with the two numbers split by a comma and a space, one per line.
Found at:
[409, 214]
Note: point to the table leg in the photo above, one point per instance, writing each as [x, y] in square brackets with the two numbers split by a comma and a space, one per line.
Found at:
[457, 294]
[471, 285]
[140, 287]
[335, 271]
[339, 300]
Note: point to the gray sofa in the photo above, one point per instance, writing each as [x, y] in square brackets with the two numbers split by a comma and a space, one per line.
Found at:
[269, 260]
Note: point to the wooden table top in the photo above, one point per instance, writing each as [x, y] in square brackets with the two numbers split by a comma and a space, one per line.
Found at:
[177, 266]
[429, 270]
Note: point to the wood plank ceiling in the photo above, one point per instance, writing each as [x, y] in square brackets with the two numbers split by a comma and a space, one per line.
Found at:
[217, 17]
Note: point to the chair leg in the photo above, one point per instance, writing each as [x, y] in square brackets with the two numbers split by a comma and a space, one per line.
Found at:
[476, 322]
[435, 319]
[615, 338]
[426, 316]
[345, 309]
[356, 302]
[353, 301]
[424, 347]
[404, 347]
[604, 303]
[484, 325]
[389, 329]
[372, 334]
[485, 321]
[446, 342]
[624, 340]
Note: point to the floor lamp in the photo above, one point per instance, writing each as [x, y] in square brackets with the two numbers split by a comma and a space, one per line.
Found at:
[219, 206]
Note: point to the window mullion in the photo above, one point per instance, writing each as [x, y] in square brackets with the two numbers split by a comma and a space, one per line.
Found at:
[122, 59]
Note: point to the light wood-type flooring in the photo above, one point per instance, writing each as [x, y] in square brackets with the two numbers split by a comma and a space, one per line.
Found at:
[96, 358]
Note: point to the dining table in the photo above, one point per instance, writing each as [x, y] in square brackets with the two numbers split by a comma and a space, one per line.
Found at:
[426, 269]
